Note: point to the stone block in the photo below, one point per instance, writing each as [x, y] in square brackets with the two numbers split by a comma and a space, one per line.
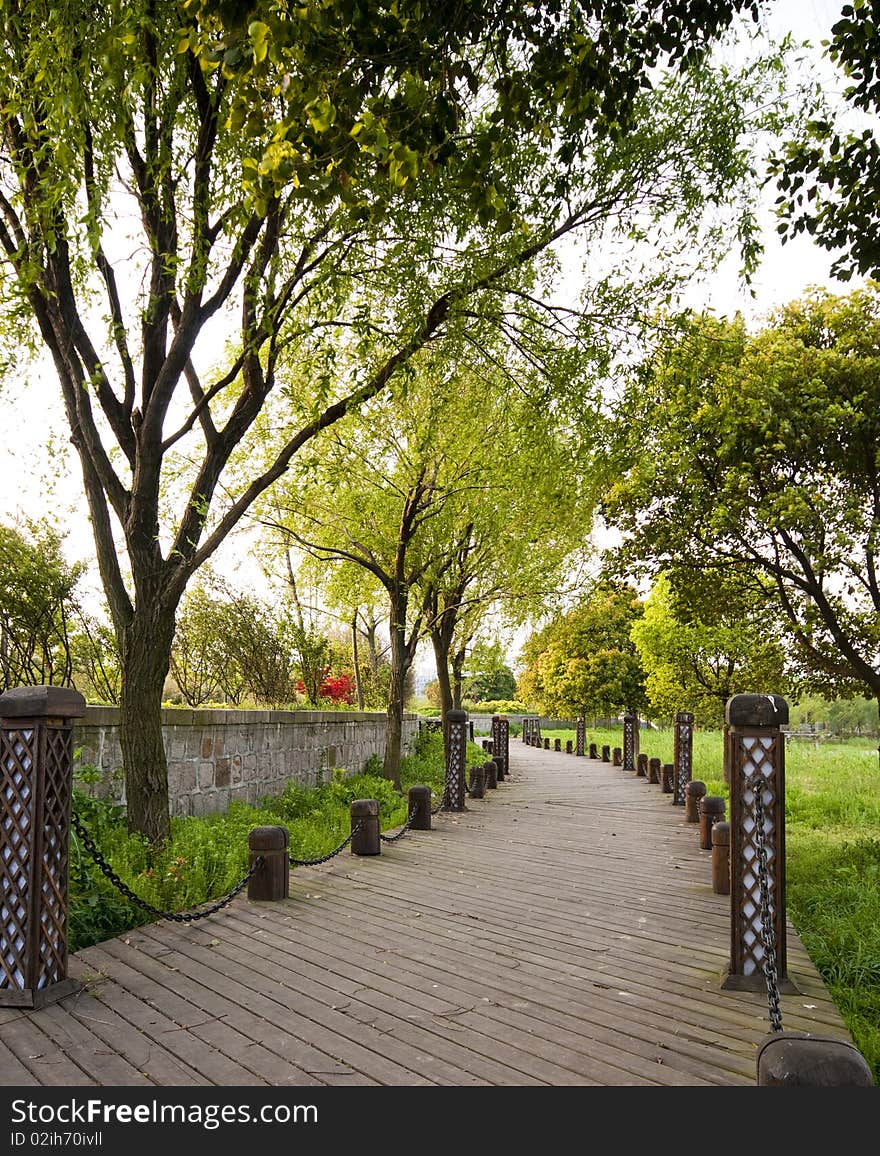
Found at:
[206, 776]
[222, 772]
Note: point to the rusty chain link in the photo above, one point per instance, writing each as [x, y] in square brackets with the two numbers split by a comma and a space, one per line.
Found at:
[176, 916]
[403, 830]
[768, 931]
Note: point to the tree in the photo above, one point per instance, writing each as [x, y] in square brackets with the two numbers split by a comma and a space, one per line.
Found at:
[489, 677]
[336, 185]
[753, 460]
[697, 653]
[37, 605]
[584, 661]
[829, 178]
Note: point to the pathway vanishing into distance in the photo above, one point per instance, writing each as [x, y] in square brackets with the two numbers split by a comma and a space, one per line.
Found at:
[562, 931]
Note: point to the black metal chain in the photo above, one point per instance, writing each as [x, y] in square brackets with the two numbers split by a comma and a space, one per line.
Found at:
[442, 803]
[768, 930]
[403, 830]
[176, 916]
[330, 854]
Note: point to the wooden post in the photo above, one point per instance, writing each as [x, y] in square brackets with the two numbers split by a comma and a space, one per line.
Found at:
[682, 754]
[630, 740]
[491, 775]
[272, 880]
[501, 745]
[756, 754]
[654, 770]
[693, 794]
[419, 802]
[667, 773]
[617, 757]
[580, 735]
[477, 781]
[800, 1059]
[594, 751]
[711, 812]
[721, 858]
[456, 757]
[36, 776]
[557, 744]
[568, 747]
[606, 754]
[642, 766]
[365, 827]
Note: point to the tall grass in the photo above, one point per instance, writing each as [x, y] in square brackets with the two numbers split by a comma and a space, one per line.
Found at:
[832, 810]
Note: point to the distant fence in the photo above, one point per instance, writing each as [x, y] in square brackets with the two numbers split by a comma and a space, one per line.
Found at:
[216, 756]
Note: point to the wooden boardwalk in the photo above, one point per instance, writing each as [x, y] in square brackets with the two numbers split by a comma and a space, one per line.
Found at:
[562, 932]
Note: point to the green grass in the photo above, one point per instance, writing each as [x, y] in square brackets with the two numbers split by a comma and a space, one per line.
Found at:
[207, 856]
[832, 837]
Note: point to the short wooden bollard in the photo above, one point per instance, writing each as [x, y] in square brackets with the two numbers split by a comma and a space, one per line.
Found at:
[800, 1059]
[693, 793]
[477, 782]
[557, 745]
[654, 770]
[272, 879]
[642, 766]
[606, 754]
[594, 751]
[491, 775]
[419, 804]
[365, 827]
[546, 744]
[711, 812]
[667, 775]
[617, 757]
[721, 858]
[486, 745]
[568, 747]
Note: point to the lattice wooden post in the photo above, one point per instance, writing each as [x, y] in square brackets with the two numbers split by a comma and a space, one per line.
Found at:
[36, 772]
[682, 754]
[580, 735]
[456, 757]
[756, 753]
[630, 741]
[501, 745]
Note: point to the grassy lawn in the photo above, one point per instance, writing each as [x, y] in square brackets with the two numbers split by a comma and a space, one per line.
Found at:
[833, 859]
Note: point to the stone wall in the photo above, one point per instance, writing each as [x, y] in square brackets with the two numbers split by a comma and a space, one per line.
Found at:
[215, 756]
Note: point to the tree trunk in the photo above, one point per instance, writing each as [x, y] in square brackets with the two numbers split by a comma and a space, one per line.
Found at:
[400, 664]
[145, 648]
[444, 683]
[458, 662]
[357, 668]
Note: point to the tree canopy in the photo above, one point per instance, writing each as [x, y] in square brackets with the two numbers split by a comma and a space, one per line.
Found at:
[755, 460]
[699, 651]
[584, 662]
[210, 210]
[829, 175]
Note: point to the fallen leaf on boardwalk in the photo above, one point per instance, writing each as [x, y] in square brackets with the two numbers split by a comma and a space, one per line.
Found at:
[213, 942]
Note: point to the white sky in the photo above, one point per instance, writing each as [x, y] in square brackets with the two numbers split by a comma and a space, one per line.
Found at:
[38, 472]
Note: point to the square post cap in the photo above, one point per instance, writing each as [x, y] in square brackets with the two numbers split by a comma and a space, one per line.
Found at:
[756, 710]
[42, 702]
